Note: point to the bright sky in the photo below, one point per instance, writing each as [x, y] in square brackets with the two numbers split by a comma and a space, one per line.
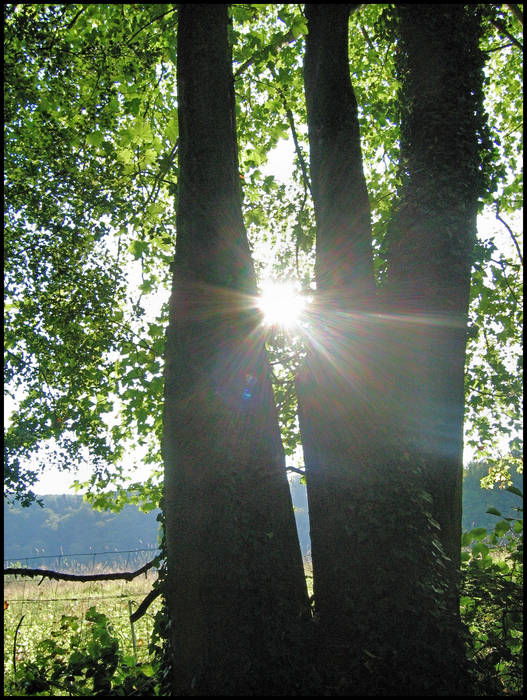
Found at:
[280, 306]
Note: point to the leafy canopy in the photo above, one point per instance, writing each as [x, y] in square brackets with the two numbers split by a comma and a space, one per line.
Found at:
[91, 141]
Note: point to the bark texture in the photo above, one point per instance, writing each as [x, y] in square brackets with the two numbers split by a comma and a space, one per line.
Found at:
[381, 391]
[344, 264]
[235, 587]
[432, 236]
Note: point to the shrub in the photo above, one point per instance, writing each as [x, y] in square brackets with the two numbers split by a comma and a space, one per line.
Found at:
[492, 603]
[72, 663]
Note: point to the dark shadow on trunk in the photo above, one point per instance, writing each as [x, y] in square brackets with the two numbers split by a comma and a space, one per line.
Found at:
[381, 391]
[235, 589]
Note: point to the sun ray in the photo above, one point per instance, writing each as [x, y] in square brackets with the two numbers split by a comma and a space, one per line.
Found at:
[281, 304]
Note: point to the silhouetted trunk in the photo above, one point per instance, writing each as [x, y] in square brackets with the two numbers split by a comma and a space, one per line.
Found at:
[235, 587]
[381, 391]
[335, 423]
[432, 236]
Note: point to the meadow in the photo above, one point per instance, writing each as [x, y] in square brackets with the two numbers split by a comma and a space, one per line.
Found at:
[48, 609]
[76, 639]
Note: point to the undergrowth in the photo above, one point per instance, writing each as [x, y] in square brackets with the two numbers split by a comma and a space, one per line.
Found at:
[86, 655]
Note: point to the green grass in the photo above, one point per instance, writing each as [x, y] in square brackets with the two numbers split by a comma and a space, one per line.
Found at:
[491, 607]
[43, 606]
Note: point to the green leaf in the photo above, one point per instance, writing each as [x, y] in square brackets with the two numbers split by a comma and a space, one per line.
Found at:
[478, 533]
[147, 669]
[132, 106]
[515, 490]
[137, 248]
[501, 528]
[466, 539]
[299, 27]
[493, 511]
[172, 130]
[95, 138]
[125, 156]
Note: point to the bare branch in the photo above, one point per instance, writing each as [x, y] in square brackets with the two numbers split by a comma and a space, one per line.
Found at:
[143, 607]
[296, 470]
[514, 239]
[291, 120]
[84, 578]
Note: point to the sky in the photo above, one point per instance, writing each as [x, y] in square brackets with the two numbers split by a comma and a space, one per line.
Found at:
[54, 481]
[280, 165]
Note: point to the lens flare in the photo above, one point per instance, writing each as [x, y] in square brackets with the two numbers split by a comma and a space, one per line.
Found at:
[281, 304]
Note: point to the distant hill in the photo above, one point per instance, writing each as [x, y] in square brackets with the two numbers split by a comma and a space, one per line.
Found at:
[476, 500]
[68, 525]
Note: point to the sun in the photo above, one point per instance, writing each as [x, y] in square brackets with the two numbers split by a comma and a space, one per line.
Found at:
[281, 304]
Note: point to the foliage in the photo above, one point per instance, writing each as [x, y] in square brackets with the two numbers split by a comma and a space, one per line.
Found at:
[492, 603]
[90, 149]
[494, 350]
[479, 495]
[84, 97]
[72, 663]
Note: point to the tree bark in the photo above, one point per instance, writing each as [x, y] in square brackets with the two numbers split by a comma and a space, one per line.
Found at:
[344, 262]
[235, 587]
[431, 239]
[381, 391]
[333, 414]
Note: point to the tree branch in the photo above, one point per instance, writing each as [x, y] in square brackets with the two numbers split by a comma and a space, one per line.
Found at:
[173, 9]
[276, 44]
[500, 26]
[84, 578]
[147, 602]
[515, 9]
[79, 13]
[14, 643]
[290, 119]
[367, 38]
[514, 239]
[296, 470]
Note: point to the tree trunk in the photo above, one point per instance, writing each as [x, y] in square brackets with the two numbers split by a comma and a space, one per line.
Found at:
[381, 391]
[235, 581]
[330, 399]
[344, 263]
[432, 236]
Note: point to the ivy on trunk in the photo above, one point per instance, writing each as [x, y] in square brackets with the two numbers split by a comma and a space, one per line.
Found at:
[381, 389]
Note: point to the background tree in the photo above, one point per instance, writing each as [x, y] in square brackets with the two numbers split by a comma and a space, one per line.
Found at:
[235, 581]
[87, 89]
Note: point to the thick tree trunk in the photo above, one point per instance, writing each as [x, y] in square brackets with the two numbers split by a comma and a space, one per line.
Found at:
[331, 405]
[381, 391]
[432, 236]
[235, 587]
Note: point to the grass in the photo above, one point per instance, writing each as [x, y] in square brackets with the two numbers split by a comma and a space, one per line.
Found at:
[43, 603]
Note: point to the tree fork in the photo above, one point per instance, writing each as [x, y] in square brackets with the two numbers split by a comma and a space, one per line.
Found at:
[370, 375]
